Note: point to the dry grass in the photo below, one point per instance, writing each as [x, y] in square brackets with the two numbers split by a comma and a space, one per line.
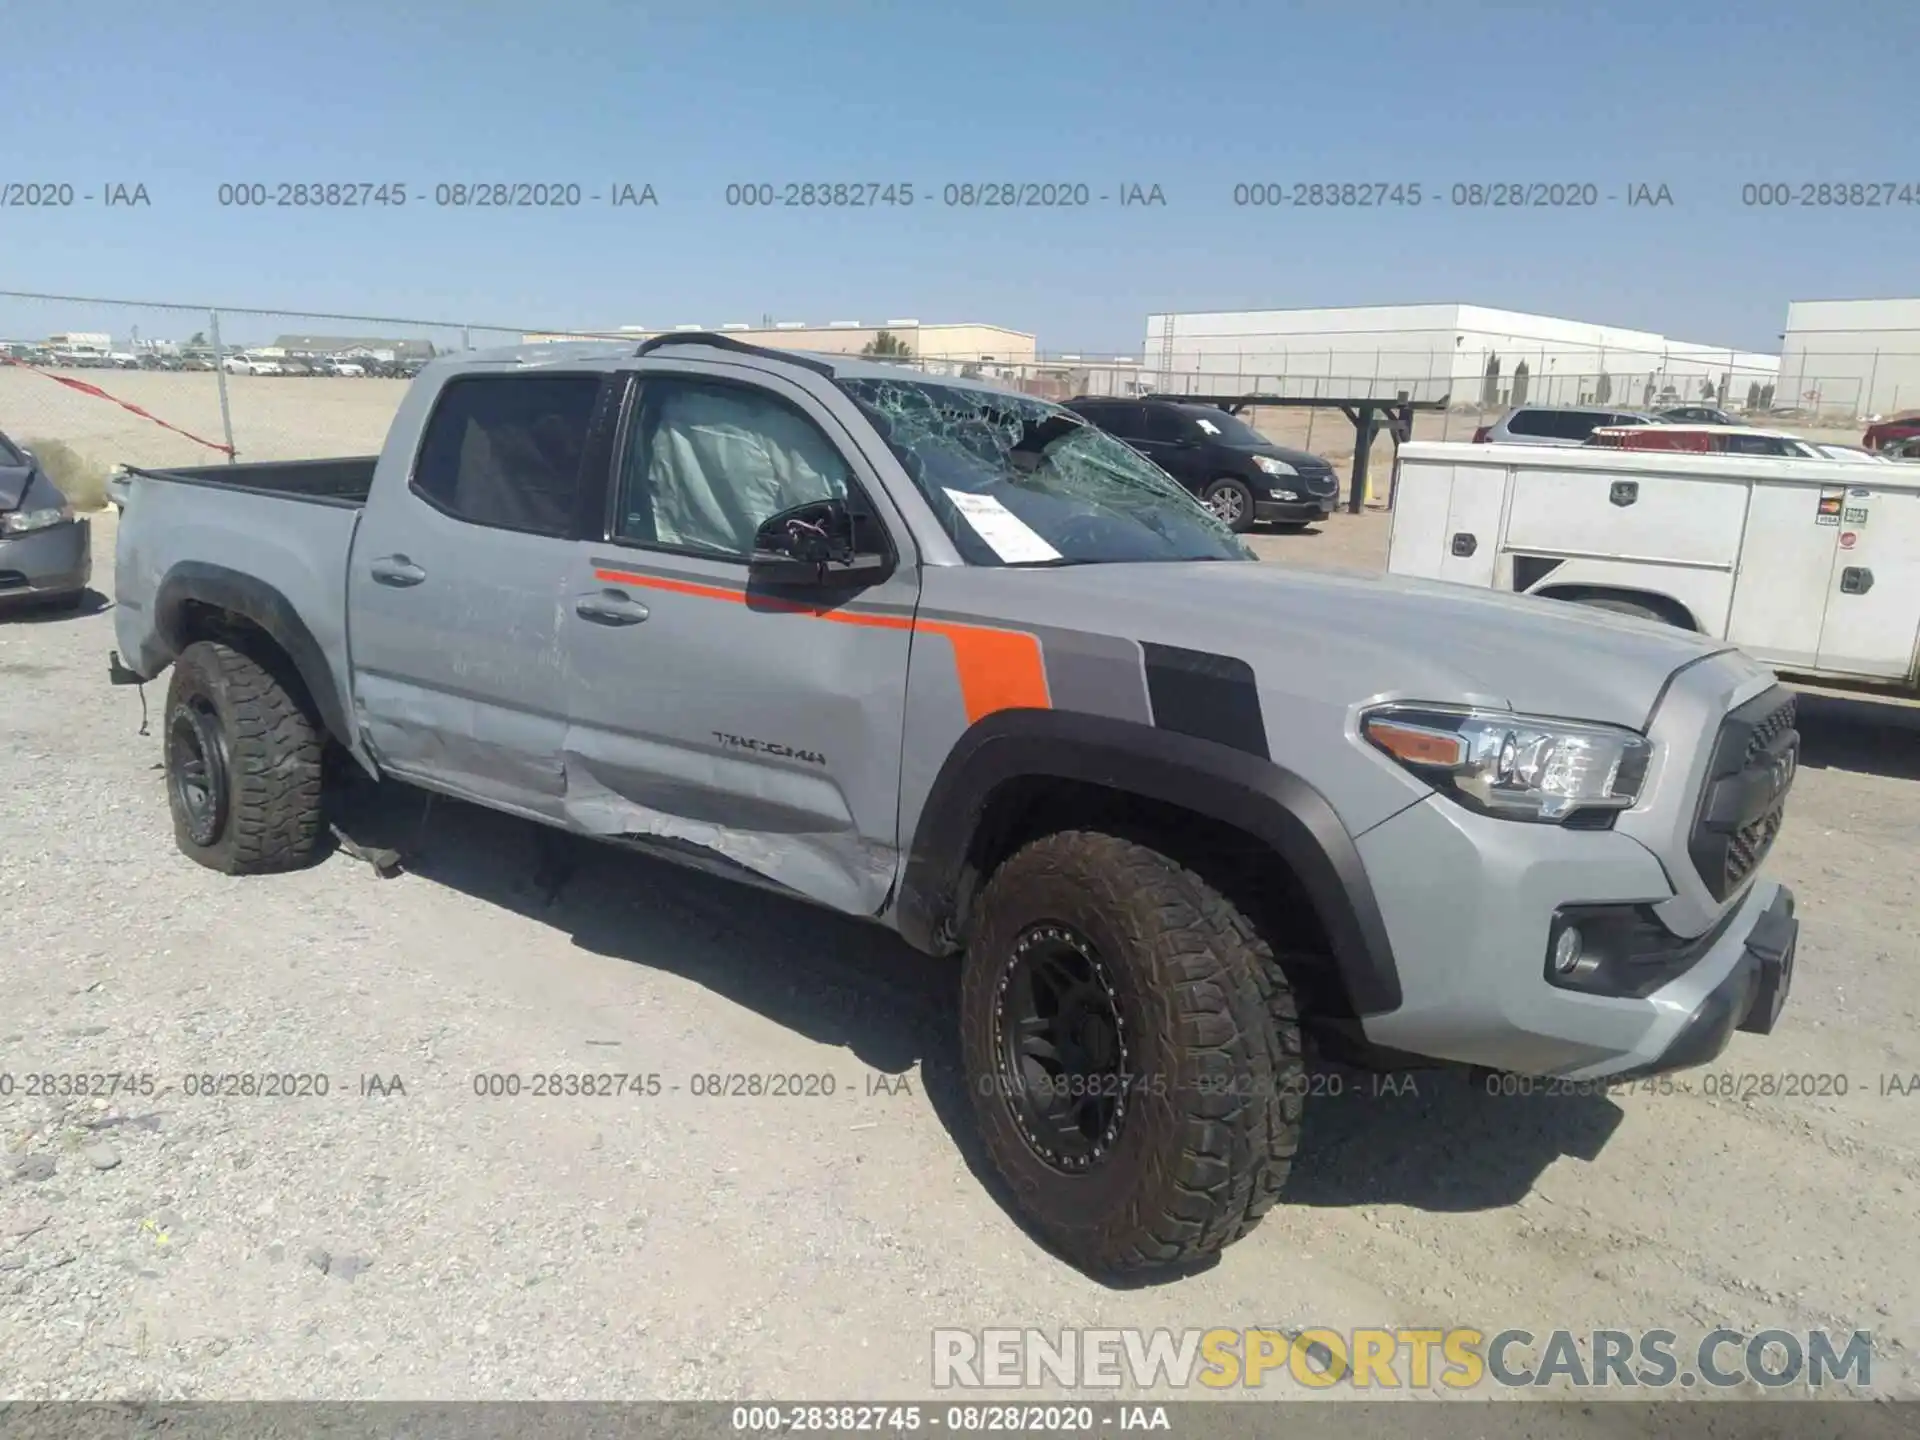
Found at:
[82, 480]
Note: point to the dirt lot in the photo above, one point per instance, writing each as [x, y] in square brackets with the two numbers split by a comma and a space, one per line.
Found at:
[427, 1242]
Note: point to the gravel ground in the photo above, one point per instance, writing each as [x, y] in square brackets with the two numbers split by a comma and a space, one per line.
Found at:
[410, 1238]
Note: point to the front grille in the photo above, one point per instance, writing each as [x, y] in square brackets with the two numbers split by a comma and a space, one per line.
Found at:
[1317, 482]
[1743, 801]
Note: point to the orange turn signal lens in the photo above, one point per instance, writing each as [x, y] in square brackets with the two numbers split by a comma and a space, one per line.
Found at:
[1417, 745]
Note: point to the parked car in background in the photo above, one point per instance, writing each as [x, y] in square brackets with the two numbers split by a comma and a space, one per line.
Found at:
[1236, 472]
[250, 365]
[46, 551]
[299, 367]
[1809, 565]
[1904, 425]
[1903, 449]
[1705, 440]
[343, 368]
[1697, 415]
[1848, 452]
[1554, 425]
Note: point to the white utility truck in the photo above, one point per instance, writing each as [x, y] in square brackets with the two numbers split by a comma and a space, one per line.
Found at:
[1812, 566]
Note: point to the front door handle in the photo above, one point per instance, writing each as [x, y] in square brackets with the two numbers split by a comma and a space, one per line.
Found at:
[396, 570]
[610, 607]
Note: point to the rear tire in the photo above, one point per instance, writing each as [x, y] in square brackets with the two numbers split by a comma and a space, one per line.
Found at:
[243, 763]
[1231, 501]
[1167, 1134]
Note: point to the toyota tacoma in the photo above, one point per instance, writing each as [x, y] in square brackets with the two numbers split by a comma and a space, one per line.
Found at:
[953, 660]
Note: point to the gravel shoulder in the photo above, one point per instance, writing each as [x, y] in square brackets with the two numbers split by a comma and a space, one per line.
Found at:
[412, 1238]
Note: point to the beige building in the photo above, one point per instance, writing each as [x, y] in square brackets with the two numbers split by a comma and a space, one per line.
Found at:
[969, 343]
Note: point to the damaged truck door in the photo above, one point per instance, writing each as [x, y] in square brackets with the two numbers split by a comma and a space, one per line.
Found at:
[454, 588]
[712, 705]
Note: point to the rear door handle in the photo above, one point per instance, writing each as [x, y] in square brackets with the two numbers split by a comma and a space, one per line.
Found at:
[396, 570]
[610, 607]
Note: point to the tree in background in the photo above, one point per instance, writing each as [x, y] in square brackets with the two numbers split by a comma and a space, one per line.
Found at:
[886, 344]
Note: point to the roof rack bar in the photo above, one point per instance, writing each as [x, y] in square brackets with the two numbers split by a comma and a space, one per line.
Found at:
[717, 341]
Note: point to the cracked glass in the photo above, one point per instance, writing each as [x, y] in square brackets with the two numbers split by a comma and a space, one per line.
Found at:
[1020, 481]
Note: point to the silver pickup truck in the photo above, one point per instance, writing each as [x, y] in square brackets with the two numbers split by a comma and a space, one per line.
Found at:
[948, 658]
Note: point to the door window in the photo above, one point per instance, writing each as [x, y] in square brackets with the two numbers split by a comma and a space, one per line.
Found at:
[1159, 423]
[1531, 422]
[505, 451]
[1126, 421]
[707, 463]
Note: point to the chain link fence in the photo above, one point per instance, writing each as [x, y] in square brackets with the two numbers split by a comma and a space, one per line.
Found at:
[91, 383]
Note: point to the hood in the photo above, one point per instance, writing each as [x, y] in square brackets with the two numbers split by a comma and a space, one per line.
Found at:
[1299, 459]
[1345, 637]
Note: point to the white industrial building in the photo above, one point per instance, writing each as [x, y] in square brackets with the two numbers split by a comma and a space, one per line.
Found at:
[962, 343]
[1860, 356]
[1471, 354]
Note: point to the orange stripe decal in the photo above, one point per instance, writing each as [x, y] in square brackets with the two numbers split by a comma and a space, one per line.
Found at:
[998, 669]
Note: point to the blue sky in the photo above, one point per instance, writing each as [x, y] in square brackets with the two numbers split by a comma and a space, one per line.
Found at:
[1191, 96]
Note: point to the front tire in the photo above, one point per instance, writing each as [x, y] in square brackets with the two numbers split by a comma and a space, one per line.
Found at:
[1231, 501]
[1133, 1052]
[242, 763]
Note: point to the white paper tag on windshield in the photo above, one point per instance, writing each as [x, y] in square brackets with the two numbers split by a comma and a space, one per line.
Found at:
[1208, 426]
[1006, 534]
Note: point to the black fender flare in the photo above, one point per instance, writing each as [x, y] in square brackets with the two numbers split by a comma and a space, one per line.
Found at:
[257, 602]
[1231, 786]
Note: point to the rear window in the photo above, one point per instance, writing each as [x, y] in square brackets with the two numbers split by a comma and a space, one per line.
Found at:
[1556, 424]
[505, 451]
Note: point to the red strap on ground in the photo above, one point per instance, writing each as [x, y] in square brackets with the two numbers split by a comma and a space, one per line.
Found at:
[85, 389]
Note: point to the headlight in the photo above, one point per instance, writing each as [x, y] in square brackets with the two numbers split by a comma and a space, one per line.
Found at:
[1519, 767]
[1267, 465]
[19, 522]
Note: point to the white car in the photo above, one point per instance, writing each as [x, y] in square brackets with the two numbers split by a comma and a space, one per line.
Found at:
[1848, 452]
[345, 368]
[250, 365]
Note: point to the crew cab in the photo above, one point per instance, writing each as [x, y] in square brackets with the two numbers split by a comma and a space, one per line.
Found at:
[952, 660]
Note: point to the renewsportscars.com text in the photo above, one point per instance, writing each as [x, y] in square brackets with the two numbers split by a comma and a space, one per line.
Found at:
[1399, 1359]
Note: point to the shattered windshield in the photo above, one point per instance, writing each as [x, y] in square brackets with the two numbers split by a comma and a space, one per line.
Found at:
[1018, 481]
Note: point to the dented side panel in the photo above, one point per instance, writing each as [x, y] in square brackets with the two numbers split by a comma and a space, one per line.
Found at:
[769, 735]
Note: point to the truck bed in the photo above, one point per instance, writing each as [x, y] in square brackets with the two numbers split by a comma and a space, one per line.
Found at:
[291, 520]
[343, 481]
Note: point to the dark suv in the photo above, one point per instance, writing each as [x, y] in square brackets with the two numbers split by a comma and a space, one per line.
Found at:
[1237, 472]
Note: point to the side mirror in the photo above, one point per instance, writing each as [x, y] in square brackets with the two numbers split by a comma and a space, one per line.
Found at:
[821, 544]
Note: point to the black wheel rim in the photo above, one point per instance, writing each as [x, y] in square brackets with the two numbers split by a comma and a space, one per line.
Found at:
[197, 771]
[1062, 1045]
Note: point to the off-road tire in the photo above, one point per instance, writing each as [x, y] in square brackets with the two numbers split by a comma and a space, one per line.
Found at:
[1215, 1100]
[1243, 492]
[271, 816]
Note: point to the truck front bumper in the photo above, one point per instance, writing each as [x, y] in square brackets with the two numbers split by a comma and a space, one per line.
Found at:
[46, 564]
[1472, 905]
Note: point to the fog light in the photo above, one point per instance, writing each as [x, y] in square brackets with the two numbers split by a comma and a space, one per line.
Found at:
[1567, 950]
[1284, 494]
